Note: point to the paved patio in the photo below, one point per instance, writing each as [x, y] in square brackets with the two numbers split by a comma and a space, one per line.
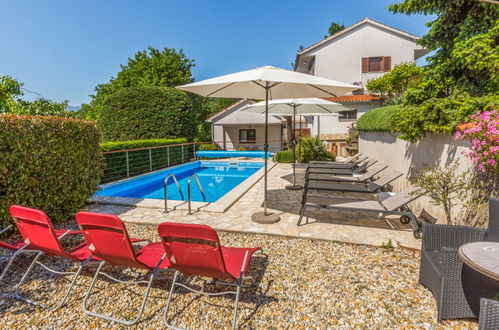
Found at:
[347, 227]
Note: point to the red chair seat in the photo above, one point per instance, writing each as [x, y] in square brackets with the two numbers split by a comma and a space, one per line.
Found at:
[19, 244]
[151, 254]
[234, 257]
[81, 253]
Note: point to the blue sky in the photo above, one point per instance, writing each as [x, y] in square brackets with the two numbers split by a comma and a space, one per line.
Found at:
[62, 49]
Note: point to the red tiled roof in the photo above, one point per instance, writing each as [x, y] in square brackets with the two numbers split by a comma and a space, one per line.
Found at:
[354, 98]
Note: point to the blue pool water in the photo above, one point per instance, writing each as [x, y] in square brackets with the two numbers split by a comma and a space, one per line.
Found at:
[222, 154]
[217, 178]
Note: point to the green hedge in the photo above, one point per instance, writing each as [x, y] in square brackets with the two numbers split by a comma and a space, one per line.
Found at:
[149, 113]
[134, 144]
[207, 147]
[378, 119]
[284, 156]
[50, 163]
[138, 160]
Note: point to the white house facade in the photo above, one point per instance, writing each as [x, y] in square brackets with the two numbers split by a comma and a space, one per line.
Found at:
[233, 129]
[357, 54]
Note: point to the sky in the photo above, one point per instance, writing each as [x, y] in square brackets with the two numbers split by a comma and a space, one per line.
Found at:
[62, 49]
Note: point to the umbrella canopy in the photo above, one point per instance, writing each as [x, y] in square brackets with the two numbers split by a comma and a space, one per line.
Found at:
[267, 83]
[304, 106]
[252, 84]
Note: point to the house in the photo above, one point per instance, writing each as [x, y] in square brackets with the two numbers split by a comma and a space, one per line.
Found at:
[359, 53]
[232, 129]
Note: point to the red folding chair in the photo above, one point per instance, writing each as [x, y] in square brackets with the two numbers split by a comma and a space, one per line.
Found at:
[195, 250]
[39, 234]
[20, 247]
[108, 239]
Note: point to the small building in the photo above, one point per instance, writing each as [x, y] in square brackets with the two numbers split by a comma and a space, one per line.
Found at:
[359, 53]
[232, 129]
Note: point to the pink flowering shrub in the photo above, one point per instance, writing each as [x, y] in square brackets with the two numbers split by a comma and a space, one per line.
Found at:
[483, 133]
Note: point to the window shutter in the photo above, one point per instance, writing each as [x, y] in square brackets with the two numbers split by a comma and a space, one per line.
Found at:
[387, 63]
[365, 64]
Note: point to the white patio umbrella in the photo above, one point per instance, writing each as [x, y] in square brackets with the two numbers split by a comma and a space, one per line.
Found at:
[292, 107]
[268, 83]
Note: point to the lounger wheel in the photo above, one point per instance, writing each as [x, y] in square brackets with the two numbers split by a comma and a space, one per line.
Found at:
[405, 219]
[418, 233]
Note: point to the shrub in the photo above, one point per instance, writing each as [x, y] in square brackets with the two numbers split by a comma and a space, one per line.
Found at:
[207, 147]
[378, 119]
[138, 160]
[312, 148]
[134, 144]
[284, 156]
[149, 113]
[242, 149]
[49, 163]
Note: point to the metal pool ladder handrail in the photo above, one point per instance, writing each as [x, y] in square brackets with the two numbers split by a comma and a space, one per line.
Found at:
[189, 191]
[165, 188]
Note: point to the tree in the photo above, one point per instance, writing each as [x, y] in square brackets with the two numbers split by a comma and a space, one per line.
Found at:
[334, 28]
[44, 107]
[10, 88]
[462, 28]
[152, 67]
[392, 85]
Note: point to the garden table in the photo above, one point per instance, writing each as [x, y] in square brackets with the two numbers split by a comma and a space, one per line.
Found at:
[480, 273]
[482, 257]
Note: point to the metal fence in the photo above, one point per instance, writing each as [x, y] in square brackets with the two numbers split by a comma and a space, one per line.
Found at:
[122, 164]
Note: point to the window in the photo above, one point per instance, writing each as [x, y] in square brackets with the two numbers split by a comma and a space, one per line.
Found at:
[376, 64]
[247, 136]
[347, 115]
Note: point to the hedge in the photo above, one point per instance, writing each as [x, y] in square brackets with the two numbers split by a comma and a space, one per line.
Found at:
[284, 156]
[378, 119]
[138, 160]
[134, 144]
[149, 113]
[50, 163]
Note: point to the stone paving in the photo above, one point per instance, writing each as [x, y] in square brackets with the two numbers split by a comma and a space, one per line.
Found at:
[346, 226]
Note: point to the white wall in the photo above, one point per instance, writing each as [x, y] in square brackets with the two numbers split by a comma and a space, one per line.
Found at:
[408, 158]
[340, 59]
[333, 125]
[232, 137]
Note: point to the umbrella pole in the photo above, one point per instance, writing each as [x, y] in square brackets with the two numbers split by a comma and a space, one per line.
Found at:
[265, 217]
[294, 186]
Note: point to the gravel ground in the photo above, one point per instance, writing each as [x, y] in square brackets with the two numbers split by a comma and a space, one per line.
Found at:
[300, 284]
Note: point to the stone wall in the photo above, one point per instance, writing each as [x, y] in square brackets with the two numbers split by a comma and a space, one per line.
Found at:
[408, 158]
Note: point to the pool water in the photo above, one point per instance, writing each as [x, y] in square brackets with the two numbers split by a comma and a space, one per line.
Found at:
[217, 178]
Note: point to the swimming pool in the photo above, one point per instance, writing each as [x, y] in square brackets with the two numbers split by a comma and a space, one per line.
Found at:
[217, 178]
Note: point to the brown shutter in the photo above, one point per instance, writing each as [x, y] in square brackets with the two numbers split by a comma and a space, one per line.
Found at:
[387, 63]
[365, 64]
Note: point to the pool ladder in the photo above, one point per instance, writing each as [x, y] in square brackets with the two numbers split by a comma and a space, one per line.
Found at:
[165, 188]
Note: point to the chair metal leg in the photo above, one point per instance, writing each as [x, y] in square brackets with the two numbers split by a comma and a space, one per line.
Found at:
[165, 313]
[302, 213]
[109, 318]
[236, 303]
[68, 291]
[18, 252]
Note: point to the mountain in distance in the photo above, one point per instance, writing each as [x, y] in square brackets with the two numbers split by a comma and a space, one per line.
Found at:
[73, 107]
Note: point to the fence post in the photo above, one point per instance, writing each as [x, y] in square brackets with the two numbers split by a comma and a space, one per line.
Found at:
[182, 152]
[127, 165]
[194, 150]
[150, 160]
[168, 155]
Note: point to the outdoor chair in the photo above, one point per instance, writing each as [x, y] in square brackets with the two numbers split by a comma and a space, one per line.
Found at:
[396, 205]
[359, 167]
[107, 238]
[325, 175]
[489, 314]
[372, 187]
[352, 159]
[344, 171]
[442, 271]
[20, 247]
[37, 231]
[194, 250]
[346, 165]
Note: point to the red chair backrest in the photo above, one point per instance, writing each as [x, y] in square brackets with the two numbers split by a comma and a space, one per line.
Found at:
[107, 239]
[37, 230]
[193, 249]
